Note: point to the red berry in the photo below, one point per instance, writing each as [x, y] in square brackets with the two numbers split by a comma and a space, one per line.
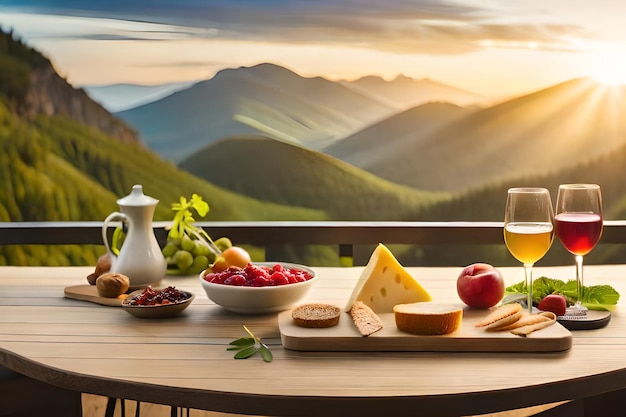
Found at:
[259, 281]
[278, 278]
[253, 271]
[555, 303]
[238, 280]
[258, 276]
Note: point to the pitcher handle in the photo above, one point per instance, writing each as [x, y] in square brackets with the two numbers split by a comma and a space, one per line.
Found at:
[111, 217]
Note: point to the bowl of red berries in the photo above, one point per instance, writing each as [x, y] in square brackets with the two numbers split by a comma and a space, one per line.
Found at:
[259, 288]
[157, 303]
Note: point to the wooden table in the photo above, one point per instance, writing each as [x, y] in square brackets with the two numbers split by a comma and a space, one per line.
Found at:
[183, 361]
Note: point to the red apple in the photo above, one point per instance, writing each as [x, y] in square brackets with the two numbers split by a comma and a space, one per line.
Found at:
[480, 285]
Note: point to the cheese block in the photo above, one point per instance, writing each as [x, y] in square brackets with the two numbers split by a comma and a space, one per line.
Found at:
[385, 283]
[427, 318]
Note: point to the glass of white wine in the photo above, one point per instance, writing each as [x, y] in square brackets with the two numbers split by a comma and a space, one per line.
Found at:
[528, 229]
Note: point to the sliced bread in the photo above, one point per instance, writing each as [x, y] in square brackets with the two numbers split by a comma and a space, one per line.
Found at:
[316, 315]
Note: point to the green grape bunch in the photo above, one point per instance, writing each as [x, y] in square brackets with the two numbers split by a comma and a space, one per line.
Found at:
[189, 249]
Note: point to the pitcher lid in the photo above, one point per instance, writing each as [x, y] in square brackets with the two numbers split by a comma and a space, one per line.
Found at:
[137, 198]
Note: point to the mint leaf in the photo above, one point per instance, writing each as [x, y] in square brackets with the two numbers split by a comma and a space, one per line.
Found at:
[600, 294]
[570, 291]
[518, 288]
[542, 286]
[596, 297]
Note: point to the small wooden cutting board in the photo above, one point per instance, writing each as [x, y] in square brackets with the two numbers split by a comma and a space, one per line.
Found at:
[90, 293]
[468, 338]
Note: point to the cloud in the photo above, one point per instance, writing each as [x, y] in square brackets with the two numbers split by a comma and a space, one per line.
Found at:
[400, 26]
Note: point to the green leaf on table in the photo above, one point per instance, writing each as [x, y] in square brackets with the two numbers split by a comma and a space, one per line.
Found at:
[248, 346]
[246, 353]
[244, 341]
[266, 353]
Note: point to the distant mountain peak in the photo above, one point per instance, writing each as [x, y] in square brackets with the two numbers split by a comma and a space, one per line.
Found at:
[261, 69]
[402, 78]
[404, 92]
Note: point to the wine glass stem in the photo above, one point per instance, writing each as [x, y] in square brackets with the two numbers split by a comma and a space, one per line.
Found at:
[528, 277]
[579, 280]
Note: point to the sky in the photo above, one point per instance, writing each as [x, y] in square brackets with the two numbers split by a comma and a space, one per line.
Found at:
[497, 48]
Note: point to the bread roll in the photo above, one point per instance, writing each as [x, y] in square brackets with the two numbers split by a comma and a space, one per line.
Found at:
[316, 315]
[426, 318]
[112, 284]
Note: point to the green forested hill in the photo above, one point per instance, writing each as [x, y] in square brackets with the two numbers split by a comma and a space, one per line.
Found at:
[272, 170]
[56, 169]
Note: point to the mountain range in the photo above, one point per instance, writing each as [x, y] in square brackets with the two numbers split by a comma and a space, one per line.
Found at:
[449, 141]
[276, 102]
[557, 127]
[405, 92]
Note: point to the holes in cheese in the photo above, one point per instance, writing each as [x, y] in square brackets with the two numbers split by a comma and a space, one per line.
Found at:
[385, 283]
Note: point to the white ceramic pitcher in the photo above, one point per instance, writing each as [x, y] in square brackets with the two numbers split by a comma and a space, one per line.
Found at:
[140, 257]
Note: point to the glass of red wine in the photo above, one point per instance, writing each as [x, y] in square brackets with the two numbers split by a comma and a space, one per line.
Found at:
[579, 227]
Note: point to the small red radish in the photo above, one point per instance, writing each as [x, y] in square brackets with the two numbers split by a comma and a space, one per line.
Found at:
[555, 303]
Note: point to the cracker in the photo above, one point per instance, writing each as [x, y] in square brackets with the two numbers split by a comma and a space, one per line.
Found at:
[499, 314]
[505, 322]
[526, 330]
[366, 321]
[528, 320]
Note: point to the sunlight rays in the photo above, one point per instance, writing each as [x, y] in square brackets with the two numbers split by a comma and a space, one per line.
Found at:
[609, 66]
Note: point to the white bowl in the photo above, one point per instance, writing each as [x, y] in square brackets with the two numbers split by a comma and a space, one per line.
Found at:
[259, 300]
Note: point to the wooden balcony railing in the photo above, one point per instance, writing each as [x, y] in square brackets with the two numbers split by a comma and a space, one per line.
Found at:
[344, 234]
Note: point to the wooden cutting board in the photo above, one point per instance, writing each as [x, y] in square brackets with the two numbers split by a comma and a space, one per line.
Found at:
[90, 293]
[345, 337]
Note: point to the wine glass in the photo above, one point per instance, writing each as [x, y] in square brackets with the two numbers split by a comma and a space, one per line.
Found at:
[579, 227]
[528, 229]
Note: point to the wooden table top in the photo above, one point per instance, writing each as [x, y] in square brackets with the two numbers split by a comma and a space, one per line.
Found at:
[183, 361]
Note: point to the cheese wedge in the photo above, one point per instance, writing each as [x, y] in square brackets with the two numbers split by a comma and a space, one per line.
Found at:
[385, 283]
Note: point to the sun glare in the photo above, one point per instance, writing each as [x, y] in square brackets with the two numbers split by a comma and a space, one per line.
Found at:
[610, 68]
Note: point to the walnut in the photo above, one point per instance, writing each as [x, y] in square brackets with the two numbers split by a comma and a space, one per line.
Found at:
[112, 284]
[102, 265]
[91, 278]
